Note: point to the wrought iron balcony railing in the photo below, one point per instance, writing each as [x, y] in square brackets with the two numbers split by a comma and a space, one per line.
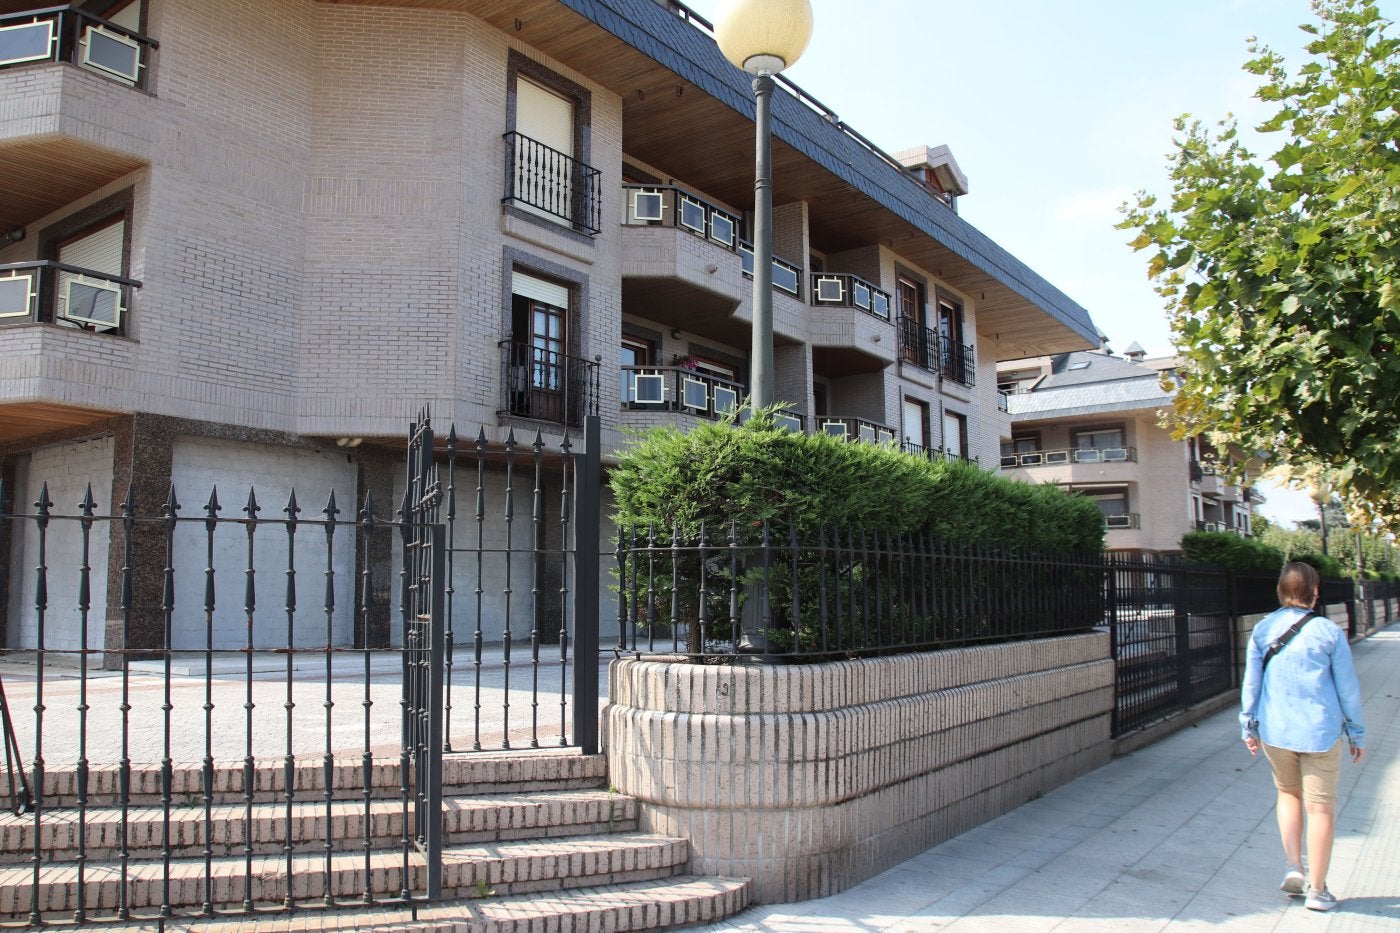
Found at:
[68, 34]
[544, 180]
[925, 348]
[69, 296]
[1035, 458]
[850, 291]
[546, 385]
[933, 453]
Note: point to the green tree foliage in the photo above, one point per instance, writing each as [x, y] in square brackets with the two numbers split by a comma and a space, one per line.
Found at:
[1280, 273]
[757, 471]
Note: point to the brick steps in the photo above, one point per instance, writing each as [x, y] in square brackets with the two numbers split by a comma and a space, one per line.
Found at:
[476, 773]
[506, 867]
[532, 842]
[661, 904]
[466, 819]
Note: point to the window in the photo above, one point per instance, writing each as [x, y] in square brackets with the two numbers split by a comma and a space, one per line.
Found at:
[909, 299]
[1021, 450]
[914, 424]
[1113, 503]
[1098, 445]
[636, 352]
[713, 368]
[539, 361]
[91, 301]
[547, 148]
[955, 435]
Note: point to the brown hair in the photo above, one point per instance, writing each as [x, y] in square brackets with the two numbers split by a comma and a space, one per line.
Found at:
[1297, 585]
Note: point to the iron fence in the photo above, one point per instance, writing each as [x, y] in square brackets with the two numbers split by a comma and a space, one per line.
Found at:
[775, 593]
[225, 719]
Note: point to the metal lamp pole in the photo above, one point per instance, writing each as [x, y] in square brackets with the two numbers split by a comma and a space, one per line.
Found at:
[763, 37]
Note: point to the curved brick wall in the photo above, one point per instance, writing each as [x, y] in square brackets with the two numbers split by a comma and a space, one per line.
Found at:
[810, 778]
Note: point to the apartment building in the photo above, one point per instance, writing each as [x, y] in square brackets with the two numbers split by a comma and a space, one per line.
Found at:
[242, 243]
[1091, 422]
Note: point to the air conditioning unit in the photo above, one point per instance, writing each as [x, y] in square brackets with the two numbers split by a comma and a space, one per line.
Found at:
[94, 303]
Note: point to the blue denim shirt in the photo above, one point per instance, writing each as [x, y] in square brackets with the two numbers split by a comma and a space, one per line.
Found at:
[1309, 694]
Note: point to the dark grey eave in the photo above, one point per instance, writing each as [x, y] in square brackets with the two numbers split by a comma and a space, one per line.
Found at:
[677, 45]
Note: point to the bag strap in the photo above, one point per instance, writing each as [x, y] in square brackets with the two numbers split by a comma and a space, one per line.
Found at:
[1279, 643]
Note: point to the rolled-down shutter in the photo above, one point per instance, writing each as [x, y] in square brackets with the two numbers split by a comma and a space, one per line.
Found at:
[550, 293]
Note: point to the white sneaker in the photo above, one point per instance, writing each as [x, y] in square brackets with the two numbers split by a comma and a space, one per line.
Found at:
[1293, 880]
[1320, 900]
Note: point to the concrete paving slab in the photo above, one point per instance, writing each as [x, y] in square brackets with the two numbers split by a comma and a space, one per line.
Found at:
[1178, 836]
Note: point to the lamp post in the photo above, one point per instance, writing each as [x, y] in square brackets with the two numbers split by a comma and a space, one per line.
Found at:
[1322, 494]
[763, 37]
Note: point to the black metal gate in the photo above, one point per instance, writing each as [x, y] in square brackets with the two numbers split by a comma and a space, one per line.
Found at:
[1171, 629]
[183, 684]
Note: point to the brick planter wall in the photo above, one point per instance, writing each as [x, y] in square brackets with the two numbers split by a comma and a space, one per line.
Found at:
[811, 778]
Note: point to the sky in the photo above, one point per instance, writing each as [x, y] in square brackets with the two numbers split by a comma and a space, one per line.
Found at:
[1057, 111]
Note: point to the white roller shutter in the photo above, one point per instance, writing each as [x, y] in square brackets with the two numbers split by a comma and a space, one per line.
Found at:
[551, 293]
[544, 116]
[99, 251]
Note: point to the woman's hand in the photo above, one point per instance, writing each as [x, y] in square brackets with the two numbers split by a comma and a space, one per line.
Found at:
[1357, 754]
[1252, 744]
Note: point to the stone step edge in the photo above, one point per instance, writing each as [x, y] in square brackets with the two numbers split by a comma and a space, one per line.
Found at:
[585, 810]
[660, 904]
[459, 769]
[543, 863]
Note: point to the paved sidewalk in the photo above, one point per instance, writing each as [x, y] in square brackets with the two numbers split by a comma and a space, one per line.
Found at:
[1178, 836]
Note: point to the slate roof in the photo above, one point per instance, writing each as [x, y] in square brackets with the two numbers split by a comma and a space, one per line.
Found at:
[677, 45]
[1107, 384]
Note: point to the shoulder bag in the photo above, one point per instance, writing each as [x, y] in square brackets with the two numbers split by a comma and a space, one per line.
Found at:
[1279, 643]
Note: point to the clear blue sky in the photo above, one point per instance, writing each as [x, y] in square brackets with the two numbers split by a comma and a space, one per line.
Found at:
[1057, 111]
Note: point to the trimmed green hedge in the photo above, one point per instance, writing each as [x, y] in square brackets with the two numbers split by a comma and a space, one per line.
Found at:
[1242, 555]
[755, 472]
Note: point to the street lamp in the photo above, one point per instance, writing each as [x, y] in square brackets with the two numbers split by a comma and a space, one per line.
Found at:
[763, 37]
[1322, 494]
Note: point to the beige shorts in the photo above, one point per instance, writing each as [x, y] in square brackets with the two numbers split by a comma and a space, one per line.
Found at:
[1313, 775]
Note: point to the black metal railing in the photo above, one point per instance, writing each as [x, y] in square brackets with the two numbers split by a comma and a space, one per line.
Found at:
[959, 361]
[68, 34]
[925, 348]
[1034, 458]
[546, 385]
[851, 428]
[679, 388]
[933, 453]
[787, 276]
[839, 592]
[843, 289]
[56, 293]
[226, 687]
[543, 179]
[674, 206]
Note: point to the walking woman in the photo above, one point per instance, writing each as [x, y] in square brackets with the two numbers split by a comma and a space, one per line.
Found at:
[1299, 697]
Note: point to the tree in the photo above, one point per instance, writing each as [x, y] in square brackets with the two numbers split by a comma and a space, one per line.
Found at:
[1280, 274]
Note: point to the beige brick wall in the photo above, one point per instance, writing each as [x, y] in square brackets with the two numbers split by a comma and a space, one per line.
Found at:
[810, 778]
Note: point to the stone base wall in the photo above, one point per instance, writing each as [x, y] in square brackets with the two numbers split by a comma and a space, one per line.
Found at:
[811, 778]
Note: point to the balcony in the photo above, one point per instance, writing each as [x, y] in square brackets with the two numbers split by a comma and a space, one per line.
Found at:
[679, 389]
[73, 119]
[67, 34]
[933, 453]
[1035, 458]
[550, 183]
[843, 290]
[545, 385]
[856, 429]
[925, 348]
[66, 296]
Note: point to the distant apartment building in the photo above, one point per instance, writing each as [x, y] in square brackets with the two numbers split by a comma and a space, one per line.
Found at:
[1091, 422]
[242, 243]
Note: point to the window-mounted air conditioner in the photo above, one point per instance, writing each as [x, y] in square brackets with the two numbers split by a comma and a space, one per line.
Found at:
[94, 303]
[113, 53]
